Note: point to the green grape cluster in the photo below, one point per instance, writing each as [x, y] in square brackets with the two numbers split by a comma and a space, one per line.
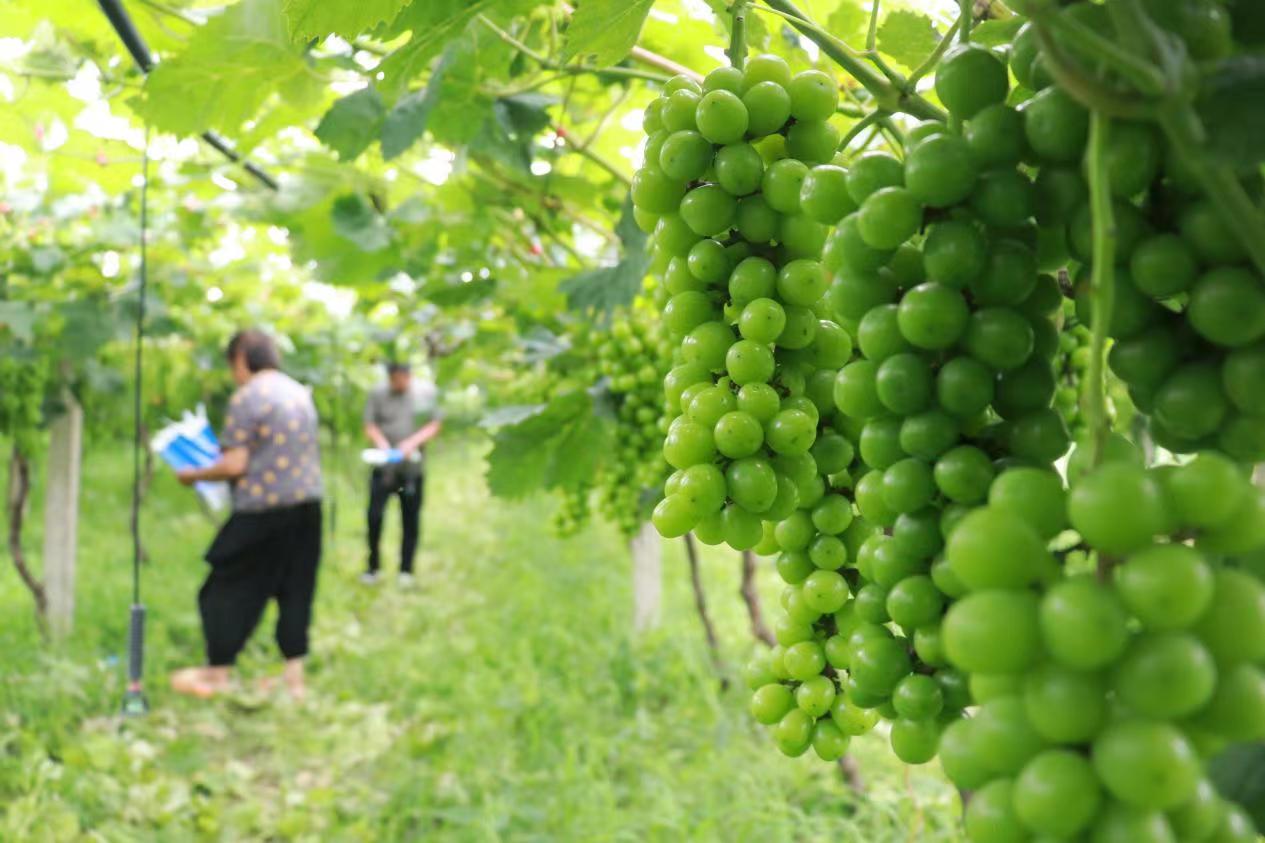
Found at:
[1188, 318]
[634, 357]
[738, 233]
[1071, 365]
[22, 386]
[572, 514]
[1099, 681]
[1102, 691]
[630, 359]
[938, 270]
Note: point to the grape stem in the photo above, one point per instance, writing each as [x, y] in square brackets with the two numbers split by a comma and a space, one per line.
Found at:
[571, 69]
[643, 56]
[885, 125]
[1081, 86]
[887, 94]
[1174, 113]
[550, 202]
[871, 35]
[1220, 185]
[1185, 131]
[936, 54]
[738, 36]
[584, 152]
[1102, 282]
[1144, 75]
[966, 17]
[999, 10]
[860, 126]
[652, 59]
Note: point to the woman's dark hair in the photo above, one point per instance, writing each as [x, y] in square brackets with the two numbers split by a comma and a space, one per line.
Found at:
[258, 349]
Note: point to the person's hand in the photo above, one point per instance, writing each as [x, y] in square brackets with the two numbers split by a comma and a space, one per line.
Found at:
[187, 476]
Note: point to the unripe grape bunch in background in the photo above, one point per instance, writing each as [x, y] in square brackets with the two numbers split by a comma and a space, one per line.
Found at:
[631, 359]
[877, 360]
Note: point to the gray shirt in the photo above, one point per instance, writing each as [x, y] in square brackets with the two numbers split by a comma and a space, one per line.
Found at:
[273, 417]
[401, 414]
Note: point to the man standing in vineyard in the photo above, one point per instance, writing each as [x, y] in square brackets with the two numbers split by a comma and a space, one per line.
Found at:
[271, 545]
[400, 416]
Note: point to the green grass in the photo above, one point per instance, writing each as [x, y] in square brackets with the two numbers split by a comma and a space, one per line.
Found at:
[505, 699]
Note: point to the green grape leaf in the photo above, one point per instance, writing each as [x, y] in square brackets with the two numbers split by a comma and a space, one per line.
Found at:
[494, 141]
[848, 21]
[406, 122]
[229, 68]
[607, 30]
[358, 221]
[544, 446]
[540, 344]
[55, 59]
[464, 104]
[18, 318]
[317, 18]
[352, 123]
[89, 324]
[579, 452]
[408, 119]
[507, 135]
[995, 33]
[499, 417]
[516, 467]
[603, 290]
[908, 37]
[525, 114]
[1239, 774]
[434, 23]
[1232, 106]
[453, 293]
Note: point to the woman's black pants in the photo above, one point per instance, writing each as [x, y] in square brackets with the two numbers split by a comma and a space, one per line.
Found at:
[257, 557]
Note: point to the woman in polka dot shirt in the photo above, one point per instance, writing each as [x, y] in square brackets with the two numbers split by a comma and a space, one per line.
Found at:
[270, 546]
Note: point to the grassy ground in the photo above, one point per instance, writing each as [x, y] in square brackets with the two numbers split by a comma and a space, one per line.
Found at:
[503, 700]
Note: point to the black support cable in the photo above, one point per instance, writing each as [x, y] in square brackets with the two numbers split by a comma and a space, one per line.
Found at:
[231, 154]
[134, 701]
[135, 44]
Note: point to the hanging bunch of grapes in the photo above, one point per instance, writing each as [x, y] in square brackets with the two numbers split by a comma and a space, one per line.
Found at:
[1071, 366]
[631, 359]
[741, 221]
[876, 372]
[634, 357]
[23, 383]
[572, 514]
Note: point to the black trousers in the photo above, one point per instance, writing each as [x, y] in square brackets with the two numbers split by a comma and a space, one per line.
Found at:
[257, 557]
[407, 484]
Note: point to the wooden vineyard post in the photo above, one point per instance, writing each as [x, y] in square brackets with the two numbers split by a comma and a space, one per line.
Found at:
[61, 516]
[647, 577]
